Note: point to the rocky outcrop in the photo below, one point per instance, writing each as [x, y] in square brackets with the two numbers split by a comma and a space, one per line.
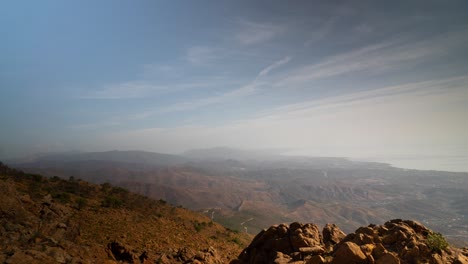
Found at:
[120, 252]
[332, 235]
[189, 256]
[282, 243]
[395, 242]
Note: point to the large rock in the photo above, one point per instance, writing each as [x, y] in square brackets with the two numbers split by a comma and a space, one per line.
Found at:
[294, 242]
[388, 258]
[350, 253]
[397, 241]
[332, 235]
[121, 253]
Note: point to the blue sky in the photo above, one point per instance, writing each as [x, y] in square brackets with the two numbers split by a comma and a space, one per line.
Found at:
[363, 79]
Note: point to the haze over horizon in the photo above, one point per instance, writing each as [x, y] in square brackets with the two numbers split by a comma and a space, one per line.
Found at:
[378, 81]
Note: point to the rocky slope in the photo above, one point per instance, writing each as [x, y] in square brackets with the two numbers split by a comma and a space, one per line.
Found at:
[51, 220]
[260, 190]
[396, 241]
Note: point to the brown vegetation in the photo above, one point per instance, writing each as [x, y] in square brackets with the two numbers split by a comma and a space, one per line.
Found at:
[51, 220]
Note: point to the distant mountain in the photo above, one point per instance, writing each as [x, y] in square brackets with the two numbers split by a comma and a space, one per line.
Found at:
[225, 153]
[136, 157]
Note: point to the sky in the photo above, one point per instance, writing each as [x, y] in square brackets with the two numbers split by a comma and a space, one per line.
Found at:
[372, 80]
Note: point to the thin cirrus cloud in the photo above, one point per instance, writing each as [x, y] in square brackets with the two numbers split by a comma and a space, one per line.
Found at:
[202, 55]
[321, 32]
[145, 88]
[412, 114]
[253, 32]
[248, 89]
[274, 66]
[377, 58]
[450, 88]
[126, 90]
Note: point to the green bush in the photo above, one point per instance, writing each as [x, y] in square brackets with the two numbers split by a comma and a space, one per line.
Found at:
[62, 197]
[112, 202]
[81, 203]
[199, 226]
[436, 242]
[119, 190]
[237, 241]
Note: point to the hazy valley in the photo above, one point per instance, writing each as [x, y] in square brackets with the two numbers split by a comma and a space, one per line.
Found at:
[249, 190]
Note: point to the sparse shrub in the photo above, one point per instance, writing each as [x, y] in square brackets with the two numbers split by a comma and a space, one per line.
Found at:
[35, 236]
[35, 189]
[237, 241]
[232, 230]
[55, 179]
[36, 177]
[81, 203]
[436, 242]
[106, 186]
[72, 187]
[62, 197]
[161, 201]
[119, 190]
[112, 202]
[199, 226]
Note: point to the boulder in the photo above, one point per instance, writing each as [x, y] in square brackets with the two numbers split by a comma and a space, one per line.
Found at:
[388, 258]
[121, 253]
[396, 241]
[332, 235]
[350, 253]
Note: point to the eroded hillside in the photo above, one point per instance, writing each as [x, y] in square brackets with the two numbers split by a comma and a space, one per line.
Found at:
[252, 192]
[51, 220]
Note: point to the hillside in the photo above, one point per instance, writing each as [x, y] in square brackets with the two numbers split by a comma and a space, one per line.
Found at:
[253, 190]
[52, 220]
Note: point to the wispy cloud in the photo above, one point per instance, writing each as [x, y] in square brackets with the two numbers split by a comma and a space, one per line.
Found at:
[253, 32]
[274, 66]
[415, 90]
[95, 125]
[202, 55]
[126, 90]
[388, 120]
[144, 88]
[322, 32]
[377, 58]
[248, 89]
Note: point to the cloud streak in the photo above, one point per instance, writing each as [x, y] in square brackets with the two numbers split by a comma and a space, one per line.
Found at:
[273, 66]
[390, 120]
[202, 55]
[248, 89]
[126, 90]
[377, 58]
[252, 32]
